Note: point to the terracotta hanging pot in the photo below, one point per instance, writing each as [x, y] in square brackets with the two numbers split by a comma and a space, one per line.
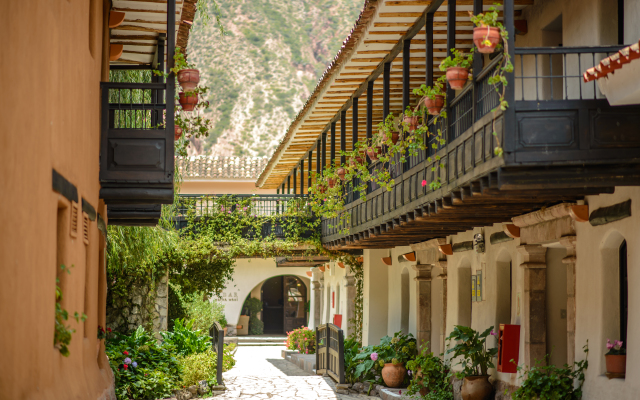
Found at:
[393, 374]
[412, 122]
[616, 364]
[341, 172]
[374, 152]
[331, 182]
[188, 79]
[434, 106]
[322, 188]
[476, 388]
[457, 77]
[486, 38]
[394, 137]
[177, 132]
[188, 101]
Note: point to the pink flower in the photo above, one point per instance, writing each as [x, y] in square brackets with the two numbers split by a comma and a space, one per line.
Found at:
[493, 333]
[617, 344]
[399, 391]
[609, 345]
[374, 356]
[424, 183]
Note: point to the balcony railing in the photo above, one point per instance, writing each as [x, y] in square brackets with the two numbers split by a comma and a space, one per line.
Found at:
[269, 211]
[549, 112]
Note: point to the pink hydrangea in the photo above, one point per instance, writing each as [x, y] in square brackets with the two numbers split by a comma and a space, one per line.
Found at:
[374, 356]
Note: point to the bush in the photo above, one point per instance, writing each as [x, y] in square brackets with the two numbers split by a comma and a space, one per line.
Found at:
[302, 339]
[431, 373]
[203, 313]
[142, 369]
[185, 339]
[253, 306]
[177, 306]
[198, 367]
[256, 327]
[227, 356]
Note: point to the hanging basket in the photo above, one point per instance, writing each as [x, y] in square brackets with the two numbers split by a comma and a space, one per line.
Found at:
[331, 182]
[374, 153]
[434, 106]
[177, 132]
[412, 122]
[395, 137]
[341, 172]
[486, 38]
[457, 77]
[188, 79]
[188, 101]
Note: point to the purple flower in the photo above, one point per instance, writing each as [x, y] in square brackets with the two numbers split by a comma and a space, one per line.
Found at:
[134, 364]
[127, 360]
[374, 356]
[410, 372]
[493, 333]
[609, 344]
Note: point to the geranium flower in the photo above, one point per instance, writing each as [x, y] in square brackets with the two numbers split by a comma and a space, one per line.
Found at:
[424, 182]
[125, 366]
[374, 356]
[126, 353]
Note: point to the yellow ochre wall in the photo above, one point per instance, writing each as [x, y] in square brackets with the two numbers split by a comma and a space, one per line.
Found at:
[51, 66]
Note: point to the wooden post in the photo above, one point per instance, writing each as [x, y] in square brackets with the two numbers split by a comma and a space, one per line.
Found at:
[289, 183]
[309, 183]
[343, 136]
[429, 49]
[354, 140]
[509, 126]
[386, 89]
[340, 371]
[302, 176]
[332, 148]
[451, 44]
[323, 165]
[295, 175]
[477, 65]
[171, 88]
[220, 356]
[406, 73]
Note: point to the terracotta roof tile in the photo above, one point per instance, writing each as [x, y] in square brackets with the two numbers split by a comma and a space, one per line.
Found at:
[216, 167]
[610, 64]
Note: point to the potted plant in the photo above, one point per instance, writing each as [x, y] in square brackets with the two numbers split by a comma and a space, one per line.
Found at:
[188, 77]
[429, 375]
[341, 172]
[457, 68]
[475, 359]
[432, 97]
[410, 120]
[375, 149]
[188, 100]
[487, 33]
[616, 357]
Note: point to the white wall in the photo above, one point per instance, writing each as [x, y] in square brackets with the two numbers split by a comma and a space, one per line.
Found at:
[375, 297]
[631, 18]
[394, 290]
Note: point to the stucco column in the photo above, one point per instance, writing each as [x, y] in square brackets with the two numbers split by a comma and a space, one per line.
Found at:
[443, 275]
[569, 243]
[351, 304]
[534, 316]
[317, 303]
[423, 298]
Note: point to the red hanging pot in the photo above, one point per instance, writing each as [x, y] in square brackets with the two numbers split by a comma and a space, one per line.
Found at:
[331, 182]
[341, 172]
[394, 137]
[177, 132]
[434, 106]
[374, 152]
[412, 122]
[188, 79]
[322, 188]
[188, 101]
[486, 38]
[457, 77]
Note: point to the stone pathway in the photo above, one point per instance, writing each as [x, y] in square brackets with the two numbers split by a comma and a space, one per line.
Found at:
[261, 373]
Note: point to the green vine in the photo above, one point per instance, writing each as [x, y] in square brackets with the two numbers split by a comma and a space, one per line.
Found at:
[62, 333]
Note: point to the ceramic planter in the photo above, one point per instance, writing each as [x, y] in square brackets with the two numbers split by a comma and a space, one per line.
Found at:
[394, 137]
[331, 182]
[434, 106]
[412, 122]
[188, 79]
[476, 388]
[482, 34]
[177, 132]
[616, 364]
[393, 374]
[341, 172]
[188, 101]
[374, 152]
[457, 77]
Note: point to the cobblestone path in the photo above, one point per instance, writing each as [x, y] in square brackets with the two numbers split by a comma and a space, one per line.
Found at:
[261, 373]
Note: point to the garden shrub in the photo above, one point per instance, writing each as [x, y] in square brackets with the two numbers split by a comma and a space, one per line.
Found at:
[198, 367]
[142, 369]
[256, 327]
[253, 306]
[185, 339]
[204, 312]
[177, 306]
[302, 339]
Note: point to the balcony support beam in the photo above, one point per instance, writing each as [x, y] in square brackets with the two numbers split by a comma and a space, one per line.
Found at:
[332, 159]
[309, 183]
[343, 136]
[324, 152]
[354, 138]
[386, 89]
[302, 176]
[429, 49]
[295, 174]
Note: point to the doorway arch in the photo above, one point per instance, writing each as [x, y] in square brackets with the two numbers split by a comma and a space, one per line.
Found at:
[284, 302]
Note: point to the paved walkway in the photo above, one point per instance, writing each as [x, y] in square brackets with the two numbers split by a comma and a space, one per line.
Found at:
[261, 373]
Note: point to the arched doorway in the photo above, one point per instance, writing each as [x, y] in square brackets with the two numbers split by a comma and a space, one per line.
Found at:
[284, 300]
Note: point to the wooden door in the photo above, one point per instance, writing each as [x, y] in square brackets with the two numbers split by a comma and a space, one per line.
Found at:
[295, 303]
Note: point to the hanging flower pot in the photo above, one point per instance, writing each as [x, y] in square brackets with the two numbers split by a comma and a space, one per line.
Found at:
[486, 38]
[374, 152]
[341, 172]
[331, 182]
[393, 374]
[457, 77]
[434, 106]
[188, 79]
[412, 122]
[177, 132]
[188, 100]
[322, 188]
[394, 137]
[476, 387]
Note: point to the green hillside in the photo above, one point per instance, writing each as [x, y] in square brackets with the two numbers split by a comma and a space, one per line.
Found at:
[263, 70]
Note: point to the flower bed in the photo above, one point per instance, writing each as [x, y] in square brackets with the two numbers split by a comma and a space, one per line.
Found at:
[302, 339]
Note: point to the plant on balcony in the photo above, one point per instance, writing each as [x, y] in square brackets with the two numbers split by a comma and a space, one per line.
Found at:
[457, 68]
[488, 30]
[550, 382]
[430, 377]
[475, 359]
[616, 357]
[433, 97]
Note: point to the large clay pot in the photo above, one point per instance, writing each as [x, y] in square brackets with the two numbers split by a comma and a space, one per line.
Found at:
[457, 77]
[393, 374]
[476, 388]
[434, 106]
[616, 364]
[188, 101]
[341, 172]
[412, 122]
[374, 152]
[188, 79]
[481, 34]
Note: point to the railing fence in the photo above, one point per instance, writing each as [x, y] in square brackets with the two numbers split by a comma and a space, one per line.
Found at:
[217, 344]
[330, 352]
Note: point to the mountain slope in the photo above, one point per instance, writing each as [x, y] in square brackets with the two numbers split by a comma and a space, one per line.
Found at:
[263, 70]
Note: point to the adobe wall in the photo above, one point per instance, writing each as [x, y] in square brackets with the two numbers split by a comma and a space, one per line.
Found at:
[49, 119]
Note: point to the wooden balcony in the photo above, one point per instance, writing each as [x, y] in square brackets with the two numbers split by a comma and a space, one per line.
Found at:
[561, 141]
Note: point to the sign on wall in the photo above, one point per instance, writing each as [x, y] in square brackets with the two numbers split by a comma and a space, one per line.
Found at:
[476, 286]
[473, 288]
